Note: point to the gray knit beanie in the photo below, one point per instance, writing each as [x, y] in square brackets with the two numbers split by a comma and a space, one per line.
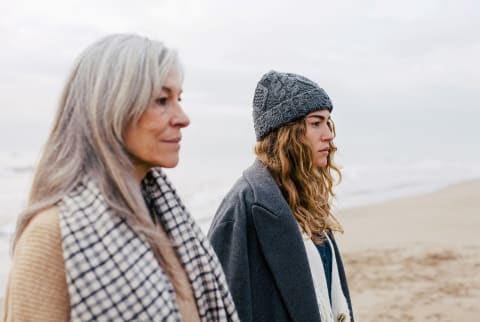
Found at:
[281, 98]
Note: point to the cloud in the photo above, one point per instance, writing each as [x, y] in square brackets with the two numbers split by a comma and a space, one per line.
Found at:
[364, 51]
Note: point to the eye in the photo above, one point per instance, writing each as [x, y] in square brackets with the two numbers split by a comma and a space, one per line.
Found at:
[179, 99]
[315, 124]
[161, 101]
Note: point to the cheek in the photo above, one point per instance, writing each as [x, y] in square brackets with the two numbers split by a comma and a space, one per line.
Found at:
[130, 138]
[310, 136]
[153, 123]
[140, 140]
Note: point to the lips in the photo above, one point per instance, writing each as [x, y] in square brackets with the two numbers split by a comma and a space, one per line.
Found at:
[173, 140]
[324, 150]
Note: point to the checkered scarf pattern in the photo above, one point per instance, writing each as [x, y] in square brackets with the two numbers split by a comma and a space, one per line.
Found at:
[112, 273]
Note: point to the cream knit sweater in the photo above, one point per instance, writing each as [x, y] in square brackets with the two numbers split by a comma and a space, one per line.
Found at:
[37, 287]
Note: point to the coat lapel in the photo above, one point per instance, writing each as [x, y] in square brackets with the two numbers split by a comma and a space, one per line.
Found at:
[282, 245]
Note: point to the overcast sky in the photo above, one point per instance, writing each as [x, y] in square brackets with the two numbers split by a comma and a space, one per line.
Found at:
[385, 55]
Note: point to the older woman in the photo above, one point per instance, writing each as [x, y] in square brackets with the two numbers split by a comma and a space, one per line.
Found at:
[273, 230]
[105, 236]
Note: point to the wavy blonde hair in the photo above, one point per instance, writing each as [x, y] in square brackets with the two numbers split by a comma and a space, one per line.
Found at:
[307, 188]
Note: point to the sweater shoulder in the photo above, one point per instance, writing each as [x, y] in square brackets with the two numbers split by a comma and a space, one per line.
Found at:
[37, 278]
[42, 233]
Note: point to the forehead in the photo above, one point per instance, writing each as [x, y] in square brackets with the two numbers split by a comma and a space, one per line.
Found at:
[173, 80]
[320, 113]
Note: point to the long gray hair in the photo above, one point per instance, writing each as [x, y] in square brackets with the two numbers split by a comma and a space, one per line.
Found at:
[110, 87]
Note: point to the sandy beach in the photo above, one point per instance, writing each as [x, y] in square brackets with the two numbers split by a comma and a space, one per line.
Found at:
[415, 259]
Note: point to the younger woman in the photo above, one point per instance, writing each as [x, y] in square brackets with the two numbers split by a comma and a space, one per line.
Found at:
[273, 230]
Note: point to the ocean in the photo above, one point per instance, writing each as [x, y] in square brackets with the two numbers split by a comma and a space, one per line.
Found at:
[384, 155]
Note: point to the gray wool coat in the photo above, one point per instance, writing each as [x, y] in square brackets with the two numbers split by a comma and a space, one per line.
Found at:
[259, 244]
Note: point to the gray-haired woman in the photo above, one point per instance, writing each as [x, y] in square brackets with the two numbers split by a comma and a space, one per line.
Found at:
[105, 236]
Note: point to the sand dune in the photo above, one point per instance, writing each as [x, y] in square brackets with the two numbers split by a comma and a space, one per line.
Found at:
[416, 259]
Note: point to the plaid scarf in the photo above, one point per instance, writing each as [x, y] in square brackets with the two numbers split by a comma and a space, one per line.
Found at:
[112, 273]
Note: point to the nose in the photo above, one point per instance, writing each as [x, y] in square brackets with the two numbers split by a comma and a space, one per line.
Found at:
[327, 135]
[180, 118]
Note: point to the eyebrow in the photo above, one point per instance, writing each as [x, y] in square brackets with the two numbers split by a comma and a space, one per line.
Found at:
[321, 117]
[169, 90]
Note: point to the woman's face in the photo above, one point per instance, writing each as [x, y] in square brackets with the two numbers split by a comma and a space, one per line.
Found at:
[154, 141]
[319, 135]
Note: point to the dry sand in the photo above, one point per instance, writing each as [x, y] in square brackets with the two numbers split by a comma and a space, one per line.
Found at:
[415, 259]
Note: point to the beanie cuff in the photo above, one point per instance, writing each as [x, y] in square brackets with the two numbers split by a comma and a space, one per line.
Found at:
[289, 111]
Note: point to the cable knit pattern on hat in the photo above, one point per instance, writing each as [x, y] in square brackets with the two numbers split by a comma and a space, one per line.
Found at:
[281, 98]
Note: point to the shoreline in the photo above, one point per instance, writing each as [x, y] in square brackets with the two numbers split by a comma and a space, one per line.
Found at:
[395, 220]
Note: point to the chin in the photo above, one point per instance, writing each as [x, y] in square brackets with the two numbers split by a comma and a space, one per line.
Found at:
[322, 163]
[168, 163]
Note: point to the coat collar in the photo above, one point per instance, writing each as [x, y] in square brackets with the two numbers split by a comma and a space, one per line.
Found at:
[282, 245]
[265, 190]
